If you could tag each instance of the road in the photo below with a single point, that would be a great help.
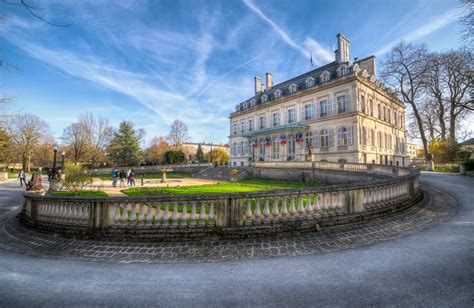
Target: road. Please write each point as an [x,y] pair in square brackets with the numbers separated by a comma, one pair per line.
[434,267]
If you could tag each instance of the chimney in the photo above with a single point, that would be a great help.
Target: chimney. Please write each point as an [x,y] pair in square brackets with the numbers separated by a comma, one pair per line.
[258,85]
[269,80]
[343,53]
[336,55]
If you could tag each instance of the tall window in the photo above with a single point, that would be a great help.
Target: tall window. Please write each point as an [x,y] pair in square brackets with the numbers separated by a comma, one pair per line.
[276,119]
[379,111]
[362,103]
[384,113]
[291,116]
[389,116]
[235,128]
[308,112]
[371,107]
[323,108]
[341,104]
[262,122]
[372,137]
[275,148]
[250,124]
[308,140]
[324,138]
[342,136]
[242,127]
[261,147]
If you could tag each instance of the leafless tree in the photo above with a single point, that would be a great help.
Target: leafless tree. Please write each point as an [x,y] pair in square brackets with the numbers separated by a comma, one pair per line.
[467,23]
[178,133]
[101,135]
[27,132]
[77,137]
[34,11]
[405,70]
[155,153]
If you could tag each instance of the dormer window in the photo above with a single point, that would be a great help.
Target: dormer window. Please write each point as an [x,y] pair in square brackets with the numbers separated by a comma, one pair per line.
[342,70]
[264,98]
[309,82]
[252,102]
[325,76]
[293,88]
[246,105]
[277,94]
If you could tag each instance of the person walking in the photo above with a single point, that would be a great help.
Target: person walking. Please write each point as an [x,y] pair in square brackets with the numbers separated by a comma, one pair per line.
[115,175]
[131,177]
[142,177]
[22,177]
[128,175]
[122,176]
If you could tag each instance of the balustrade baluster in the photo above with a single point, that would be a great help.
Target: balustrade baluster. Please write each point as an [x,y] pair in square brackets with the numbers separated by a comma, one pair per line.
[133,216]
[292,207]
[248,212]
[257,213]
[166,214]
[266,210]
[141,214]
[117,217]
[317,207]
[184,214]
[192,223]
[324,205]
[309,207]
[159,214]
[202,214]
[149,214]
[174,217]
[340,202]
[275,211]
[284,207]
[211,214]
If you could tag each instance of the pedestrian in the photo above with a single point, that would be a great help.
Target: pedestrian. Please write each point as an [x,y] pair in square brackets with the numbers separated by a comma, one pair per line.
[22,177]
[122,176]
[142,177]
[131,177]
[115,174]
[128,175]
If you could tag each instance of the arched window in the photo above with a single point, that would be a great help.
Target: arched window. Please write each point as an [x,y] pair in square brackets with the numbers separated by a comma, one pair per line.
[293,88]
[344,136]
[342,70]
[264,98]
[325,76]
[277,94]
[252,102]
[309,82]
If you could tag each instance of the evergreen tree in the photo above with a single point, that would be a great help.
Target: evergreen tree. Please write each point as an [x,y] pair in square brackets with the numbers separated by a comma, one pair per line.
[200,154]
[124,148]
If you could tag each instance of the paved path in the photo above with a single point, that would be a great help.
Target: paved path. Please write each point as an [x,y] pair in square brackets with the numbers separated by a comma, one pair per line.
[429,268]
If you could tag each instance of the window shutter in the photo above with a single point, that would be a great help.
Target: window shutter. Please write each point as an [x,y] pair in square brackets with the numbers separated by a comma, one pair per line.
[315,140]
[331,137]
[349,135]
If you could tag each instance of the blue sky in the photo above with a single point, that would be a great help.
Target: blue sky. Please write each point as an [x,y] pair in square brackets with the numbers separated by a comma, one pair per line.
[151,62]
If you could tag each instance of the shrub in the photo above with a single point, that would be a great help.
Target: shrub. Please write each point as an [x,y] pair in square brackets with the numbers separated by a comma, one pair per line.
[469,165]
[174,157]
[76,179]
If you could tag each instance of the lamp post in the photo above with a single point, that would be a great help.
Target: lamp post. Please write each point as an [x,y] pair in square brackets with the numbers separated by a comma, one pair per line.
[63,154]
[211,153]
[54,171]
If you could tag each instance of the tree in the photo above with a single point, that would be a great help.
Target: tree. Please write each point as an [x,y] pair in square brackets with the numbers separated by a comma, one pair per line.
[155,153]
[43,154]
[6,150]
[76,179]
[218,155]
[178,134]
[200,154]
[405,70]
[77,137]
[174,157]
[27,132]
[100,138]
[467,22]
[124,147]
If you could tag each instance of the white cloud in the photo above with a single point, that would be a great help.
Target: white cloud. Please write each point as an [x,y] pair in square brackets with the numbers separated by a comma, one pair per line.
[436,23]
[319,53]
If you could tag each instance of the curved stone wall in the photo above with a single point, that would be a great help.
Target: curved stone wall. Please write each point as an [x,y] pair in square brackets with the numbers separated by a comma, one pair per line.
[228,215]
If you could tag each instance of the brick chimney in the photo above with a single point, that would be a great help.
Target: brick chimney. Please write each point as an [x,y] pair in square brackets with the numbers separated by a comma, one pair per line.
[258,84]
[269,80]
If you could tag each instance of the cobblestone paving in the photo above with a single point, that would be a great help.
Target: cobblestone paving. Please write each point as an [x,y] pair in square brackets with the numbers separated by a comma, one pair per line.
[437,207]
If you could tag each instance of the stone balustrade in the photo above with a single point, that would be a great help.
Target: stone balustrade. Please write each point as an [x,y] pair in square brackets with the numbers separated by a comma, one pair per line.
[220,213]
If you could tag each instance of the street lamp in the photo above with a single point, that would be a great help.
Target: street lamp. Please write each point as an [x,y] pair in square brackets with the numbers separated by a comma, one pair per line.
[54,173]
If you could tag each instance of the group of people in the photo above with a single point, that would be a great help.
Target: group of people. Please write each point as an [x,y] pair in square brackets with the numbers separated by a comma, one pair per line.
[123,175]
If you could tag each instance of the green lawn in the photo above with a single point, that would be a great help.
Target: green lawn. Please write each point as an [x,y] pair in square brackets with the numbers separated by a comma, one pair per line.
[84,193]
[222,187]
[442,169]
[151,175]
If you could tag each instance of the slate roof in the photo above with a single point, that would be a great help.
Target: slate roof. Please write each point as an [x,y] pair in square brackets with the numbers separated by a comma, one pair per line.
[298,80]
[468,142]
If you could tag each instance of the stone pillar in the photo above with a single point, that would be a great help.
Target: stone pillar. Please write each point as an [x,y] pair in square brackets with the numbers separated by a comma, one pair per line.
[222,215]
[237,209]
[462,169]
[429,165]
[357,204]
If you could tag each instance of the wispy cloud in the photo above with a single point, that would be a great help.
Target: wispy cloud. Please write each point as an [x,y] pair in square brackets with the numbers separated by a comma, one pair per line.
[436,23]
[319,53]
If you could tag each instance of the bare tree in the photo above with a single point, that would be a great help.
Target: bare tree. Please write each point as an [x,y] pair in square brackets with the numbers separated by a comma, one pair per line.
[467,22]
[101,135]
[405,70]
[34,11]
[77,137]
[178,133]
[27,132]
[155,153]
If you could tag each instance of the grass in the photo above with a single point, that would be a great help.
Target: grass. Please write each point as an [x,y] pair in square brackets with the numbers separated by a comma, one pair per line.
[84,193]
[442,169]
[221,187]
[150,175]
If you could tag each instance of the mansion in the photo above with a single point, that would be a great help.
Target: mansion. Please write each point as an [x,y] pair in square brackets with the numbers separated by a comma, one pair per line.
[337,112]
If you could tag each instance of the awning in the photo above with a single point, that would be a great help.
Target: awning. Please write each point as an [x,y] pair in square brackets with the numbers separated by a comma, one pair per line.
[288,127]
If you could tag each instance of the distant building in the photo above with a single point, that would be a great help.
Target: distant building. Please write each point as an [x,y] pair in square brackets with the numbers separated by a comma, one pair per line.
[190,149]
[468,146]
[411,151]
[337,112]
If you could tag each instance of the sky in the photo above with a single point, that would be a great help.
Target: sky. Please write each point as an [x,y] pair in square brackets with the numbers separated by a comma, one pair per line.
[151,62]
